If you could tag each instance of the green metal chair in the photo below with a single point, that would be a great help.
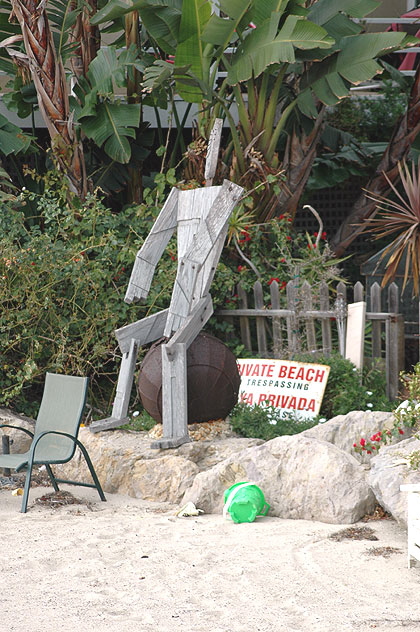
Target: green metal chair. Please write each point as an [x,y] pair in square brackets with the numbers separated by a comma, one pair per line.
[55,438]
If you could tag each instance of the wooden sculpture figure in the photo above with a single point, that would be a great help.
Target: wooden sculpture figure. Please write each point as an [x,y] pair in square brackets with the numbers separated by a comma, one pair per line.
[201,218]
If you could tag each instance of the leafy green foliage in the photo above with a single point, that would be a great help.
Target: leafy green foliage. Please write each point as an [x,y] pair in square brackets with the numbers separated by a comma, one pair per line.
[347,389]
[62,284]
[265,422]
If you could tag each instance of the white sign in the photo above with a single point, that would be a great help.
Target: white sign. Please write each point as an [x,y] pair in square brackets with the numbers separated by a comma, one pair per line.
[293,387]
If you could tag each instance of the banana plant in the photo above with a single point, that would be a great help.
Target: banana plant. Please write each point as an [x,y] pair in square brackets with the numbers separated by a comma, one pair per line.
[283,62]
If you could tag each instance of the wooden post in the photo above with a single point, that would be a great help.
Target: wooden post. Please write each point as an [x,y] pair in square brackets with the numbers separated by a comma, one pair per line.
[174,397]
[309,321]
[5,446]
[277,334]
[324,304]
[244,320]
[394,335]
[355,336]
[292,321]
[375,306]
[260,320]
[340,310]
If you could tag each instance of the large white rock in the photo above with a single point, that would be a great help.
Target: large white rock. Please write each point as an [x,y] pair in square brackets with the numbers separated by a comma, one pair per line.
[19,440]
[125,463]
[390,469]
[301,478]
[345,430]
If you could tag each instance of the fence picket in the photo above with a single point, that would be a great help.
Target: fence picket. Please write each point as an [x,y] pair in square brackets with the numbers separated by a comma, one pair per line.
[277,333]
[260,320]
[309,321]
[244,320]
[292,330]
[375,306]
[324,304]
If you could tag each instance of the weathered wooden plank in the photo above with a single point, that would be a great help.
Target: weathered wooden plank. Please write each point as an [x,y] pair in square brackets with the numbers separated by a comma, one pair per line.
[375,305]
[324,303]
[394,334]
[277,333]
[217,218]
[260,322]
[182,295]
[292,321]
[243,319]
[193,207]
[213,151]
[122,394]
[174,398]
[340,309]
[143,331]
[152,249]
[394,354]
[269,313]
[358,292]
[309,321]
[5,447]
[193,324]
[355,335]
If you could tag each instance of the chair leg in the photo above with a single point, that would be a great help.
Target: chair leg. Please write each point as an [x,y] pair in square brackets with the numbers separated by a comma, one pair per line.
[92,472]
[52,478]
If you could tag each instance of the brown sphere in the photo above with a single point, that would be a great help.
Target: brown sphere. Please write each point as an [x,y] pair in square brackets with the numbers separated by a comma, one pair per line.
[213,380]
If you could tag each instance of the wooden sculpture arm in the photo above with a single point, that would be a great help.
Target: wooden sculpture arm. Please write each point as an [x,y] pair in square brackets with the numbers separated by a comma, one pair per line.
[152,250]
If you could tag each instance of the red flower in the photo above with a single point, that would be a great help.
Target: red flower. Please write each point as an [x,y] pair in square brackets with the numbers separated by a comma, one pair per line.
[283,285]
[400,431]
[245,236]
[288,238]
[240,268]
[362,442]
[273,279]
[354,445]
[283,260]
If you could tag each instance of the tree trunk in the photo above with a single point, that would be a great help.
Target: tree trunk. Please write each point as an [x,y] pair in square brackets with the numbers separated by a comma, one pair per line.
[405,131]
[132,37]
[298,159]
[50,82]
[87,37]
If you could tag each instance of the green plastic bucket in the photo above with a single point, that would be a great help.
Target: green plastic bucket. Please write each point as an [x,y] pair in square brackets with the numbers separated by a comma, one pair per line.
[244,502]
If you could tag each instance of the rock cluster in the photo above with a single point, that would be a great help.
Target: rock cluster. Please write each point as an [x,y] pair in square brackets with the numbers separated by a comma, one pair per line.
[315,475]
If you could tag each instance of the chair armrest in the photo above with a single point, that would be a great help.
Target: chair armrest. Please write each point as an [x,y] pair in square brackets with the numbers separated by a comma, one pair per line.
[28,432]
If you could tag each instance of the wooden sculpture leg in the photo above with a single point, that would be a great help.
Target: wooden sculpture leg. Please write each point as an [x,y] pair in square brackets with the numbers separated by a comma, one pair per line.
[174,397]
[122,395]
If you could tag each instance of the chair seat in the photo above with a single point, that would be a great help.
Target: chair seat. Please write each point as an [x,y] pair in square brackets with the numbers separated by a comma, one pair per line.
[14,461]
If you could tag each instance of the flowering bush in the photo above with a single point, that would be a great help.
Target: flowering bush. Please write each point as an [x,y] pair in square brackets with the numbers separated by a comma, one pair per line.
[406,416]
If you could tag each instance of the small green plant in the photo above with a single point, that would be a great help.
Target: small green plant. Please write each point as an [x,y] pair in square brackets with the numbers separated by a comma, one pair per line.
[266,422]
[140,422]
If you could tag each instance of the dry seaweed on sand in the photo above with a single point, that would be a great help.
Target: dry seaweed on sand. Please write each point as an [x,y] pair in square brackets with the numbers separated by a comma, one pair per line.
[354,533]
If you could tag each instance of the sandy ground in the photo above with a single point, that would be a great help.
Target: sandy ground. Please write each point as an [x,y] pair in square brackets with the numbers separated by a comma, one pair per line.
[128,565]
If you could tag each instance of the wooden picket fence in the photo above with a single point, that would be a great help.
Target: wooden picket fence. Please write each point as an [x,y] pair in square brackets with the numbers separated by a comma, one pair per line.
[317,324]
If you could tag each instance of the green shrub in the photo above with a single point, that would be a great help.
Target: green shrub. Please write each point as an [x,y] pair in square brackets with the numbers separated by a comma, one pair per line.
[63,276]
[265,422]
[347,389]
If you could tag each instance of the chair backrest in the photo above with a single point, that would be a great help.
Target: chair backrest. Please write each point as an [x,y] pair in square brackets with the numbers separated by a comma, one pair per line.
[61,409]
